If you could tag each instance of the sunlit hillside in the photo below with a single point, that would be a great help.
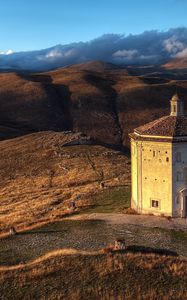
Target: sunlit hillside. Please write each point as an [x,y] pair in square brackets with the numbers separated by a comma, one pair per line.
[70,274]
[40,176]
[96,98]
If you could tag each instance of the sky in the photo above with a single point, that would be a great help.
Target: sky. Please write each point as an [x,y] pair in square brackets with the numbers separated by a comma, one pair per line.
[39,24]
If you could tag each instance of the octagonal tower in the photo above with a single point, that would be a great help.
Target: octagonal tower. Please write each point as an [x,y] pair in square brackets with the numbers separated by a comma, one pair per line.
[159,164]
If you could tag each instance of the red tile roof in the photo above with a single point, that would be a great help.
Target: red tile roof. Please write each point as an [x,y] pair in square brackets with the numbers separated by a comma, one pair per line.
[166,126]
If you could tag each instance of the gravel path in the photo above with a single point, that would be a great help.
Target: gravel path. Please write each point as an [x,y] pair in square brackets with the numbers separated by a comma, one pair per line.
[93,232]
[140,220]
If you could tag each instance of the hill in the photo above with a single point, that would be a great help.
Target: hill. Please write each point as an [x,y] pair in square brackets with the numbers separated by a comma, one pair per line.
[95,98]
[70,274]
[96,66]
[40,177]
[176,63]
[67,130]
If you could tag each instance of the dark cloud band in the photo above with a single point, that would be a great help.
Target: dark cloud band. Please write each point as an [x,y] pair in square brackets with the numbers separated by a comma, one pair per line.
[150,47]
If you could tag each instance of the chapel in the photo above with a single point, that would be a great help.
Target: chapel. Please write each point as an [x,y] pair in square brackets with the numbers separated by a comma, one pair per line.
[159,164]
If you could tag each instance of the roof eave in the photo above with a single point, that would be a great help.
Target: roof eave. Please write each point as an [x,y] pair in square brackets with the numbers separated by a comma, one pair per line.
[137,136]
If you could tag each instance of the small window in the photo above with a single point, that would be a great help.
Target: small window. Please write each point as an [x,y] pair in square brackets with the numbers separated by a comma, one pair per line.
[167,159]
[154,203]
[178,157]
[154,153]
[174,108]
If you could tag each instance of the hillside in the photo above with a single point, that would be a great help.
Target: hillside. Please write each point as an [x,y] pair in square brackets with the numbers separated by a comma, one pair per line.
[63,143]
[96,276]
[176,63]
[95,98]
[40,177]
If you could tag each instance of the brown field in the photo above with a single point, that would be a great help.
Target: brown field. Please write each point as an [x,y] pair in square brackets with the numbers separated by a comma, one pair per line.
[71,274]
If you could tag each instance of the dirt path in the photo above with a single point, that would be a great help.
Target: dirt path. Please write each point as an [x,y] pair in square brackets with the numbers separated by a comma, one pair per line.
[140,220]
[93,232]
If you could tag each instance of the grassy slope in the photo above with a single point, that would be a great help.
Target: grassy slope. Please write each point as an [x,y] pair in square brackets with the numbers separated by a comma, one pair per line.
[94,90]
[111,200]
[94,98]
[70,274]
[39,177]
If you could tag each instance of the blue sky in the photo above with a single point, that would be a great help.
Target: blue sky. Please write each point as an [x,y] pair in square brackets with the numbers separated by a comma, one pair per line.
[37,24]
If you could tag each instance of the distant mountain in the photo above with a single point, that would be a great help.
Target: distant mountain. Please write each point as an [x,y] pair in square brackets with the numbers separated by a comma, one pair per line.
[96,98]
[149,48]
[96,66]
[176,63]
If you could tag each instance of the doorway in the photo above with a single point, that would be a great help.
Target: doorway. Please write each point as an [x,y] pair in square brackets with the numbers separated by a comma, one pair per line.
[184,204]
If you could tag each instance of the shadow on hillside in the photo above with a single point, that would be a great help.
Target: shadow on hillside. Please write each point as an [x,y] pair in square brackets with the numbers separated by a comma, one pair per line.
[150,250]
[124,149]
[51,112]
[61,99]
[41,78]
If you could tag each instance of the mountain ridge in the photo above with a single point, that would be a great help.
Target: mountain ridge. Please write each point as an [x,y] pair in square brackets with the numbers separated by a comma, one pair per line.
[95,98]
[176,63]
[144,49]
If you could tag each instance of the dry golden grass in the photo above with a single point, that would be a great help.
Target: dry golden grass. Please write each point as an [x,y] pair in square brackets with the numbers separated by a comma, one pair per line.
[40,177]
[70,274]
[93,98]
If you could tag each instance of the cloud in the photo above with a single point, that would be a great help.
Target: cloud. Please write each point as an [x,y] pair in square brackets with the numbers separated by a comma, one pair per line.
[127,54]
[150,47]
[53,54]
[58,53]
[182,54]
[173,45]
[6,52]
